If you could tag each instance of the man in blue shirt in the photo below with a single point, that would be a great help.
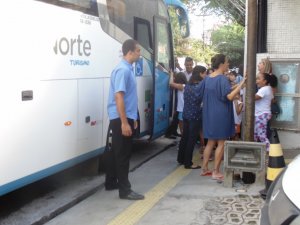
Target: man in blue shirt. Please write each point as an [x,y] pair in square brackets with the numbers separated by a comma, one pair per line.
[123,113]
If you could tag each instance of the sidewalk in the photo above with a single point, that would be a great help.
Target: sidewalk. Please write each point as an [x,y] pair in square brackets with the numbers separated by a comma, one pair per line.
[174,195]
[192,200]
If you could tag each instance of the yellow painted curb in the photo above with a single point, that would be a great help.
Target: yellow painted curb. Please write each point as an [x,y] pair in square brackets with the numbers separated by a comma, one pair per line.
[137,210]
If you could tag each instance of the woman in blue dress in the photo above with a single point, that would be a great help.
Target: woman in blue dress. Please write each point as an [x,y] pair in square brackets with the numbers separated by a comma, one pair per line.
[218,119]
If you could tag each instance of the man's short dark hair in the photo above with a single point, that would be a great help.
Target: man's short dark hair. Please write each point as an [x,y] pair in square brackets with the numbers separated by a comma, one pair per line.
[188,59]
[129,45]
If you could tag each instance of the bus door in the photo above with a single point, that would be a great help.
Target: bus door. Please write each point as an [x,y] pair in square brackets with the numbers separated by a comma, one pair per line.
[161,91]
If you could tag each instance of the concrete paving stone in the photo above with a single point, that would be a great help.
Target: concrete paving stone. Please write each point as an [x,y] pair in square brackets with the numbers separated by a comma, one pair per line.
[218,220]
[254,211]
[253,204]
[234,218]
[240,209]
[250,215]
[228,200]
[251,222]
[227,210]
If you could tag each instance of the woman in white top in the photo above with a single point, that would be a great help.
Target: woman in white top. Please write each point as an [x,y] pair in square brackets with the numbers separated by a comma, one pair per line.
[263,99]
[178,83]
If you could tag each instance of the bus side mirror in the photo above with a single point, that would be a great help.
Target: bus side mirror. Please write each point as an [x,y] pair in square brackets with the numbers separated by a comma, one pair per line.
[183,22]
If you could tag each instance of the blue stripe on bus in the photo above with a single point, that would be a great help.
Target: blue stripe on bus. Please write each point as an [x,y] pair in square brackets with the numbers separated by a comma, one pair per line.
[47,172]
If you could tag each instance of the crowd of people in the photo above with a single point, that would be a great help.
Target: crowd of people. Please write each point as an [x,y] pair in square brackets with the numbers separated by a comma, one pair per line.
[211,106]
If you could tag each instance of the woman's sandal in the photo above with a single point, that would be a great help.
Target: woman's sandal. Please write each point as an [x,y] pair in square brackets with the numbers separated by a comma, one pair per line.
[206,173]
[217,177]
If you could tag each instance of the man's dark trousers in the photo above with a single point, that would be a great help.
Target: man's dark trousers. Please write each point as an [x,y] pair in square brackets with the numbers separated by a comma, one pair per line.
[117,165]
[191,130]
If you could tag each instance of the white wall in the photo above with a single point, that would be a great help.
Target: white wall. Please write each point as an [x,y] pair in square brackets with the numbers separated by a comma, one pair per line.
[283,38]
[283,34]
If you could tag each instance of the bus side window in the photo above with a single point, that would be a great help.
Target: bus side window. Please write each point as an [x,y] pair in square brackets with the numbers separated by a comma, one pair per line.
[121,15]
[85,6]
[142,33]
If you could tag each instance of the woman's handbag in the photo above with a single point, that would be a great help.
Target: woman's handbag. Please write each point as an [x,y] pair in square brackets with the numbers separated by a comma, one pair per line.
[275,109]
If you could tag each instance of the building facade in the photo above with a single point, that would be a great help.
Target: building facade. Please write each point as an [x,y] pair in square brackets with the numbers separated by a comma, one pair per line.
[283,50]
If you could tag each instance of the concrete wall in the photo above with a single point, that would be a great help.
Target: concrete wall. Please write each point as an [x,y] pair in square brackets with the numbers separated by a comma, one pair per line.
[283,34]
[283,44]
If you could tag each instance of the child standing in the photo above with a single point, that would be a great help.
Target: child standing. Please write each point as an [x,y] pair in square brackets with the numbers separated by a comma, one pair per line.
[232,77]
[237,113]
[263,99]
[237,106]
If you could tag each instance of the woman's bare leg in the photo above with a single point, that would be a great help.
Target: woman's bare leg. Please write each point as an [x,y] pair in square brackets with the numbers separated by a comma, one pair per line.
[180,123]
[207,151]
[218,157]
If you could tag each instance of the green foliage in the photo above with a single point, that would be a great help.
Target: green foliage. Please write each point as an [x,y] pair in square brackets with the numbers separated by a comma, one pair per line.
[194,48]
[229,40]
[233,10]
[178,41]
[175,26]
[200,52]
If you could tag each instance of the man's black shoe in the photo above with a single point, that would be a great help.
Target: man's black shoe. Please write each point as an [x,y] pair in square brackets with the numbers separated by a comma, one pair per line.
[132,196]
[111,187]
[192,167]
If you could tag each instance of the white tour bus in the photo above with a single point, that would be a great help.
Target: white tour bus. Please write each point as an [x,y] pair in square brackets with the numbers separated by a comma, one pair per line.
[56,60]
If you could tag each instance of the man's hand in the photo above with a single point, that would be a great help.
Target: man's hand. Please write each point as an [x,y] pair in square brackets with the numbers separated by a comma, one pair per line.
[245,77]
[244,80]
[171,80]
[126,129]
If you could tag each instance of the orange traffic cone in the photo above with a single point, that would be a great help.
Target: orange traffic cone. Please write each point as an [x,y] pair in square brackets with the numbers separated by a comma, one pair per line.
[276,161]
